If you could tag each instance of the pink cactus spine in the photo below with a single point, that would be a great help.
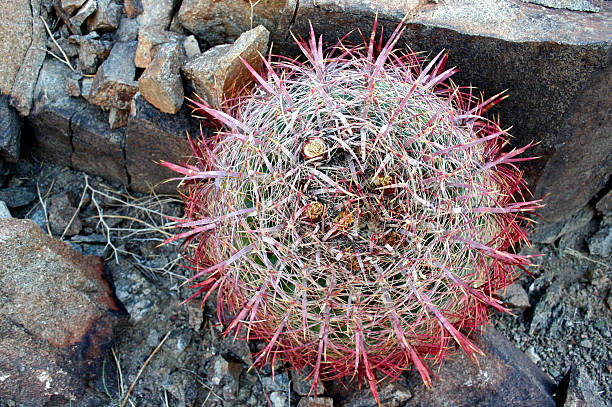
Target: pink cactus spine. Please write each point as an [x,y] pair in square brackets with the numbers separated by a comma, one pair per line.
[355,212]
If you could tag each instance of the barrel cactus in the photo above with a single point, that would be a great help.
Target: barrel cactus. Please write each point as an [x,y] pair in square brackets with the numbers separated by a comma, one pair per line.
[356,212]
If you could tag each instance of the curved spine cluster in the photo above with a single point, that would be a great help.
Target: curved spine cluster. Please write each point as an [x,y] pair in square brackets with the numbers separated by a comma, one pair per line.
[355,212]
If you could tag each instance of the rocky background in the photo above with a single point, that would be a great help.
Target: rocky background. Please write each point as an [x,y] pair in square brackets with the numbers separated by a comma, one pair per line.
[93,93]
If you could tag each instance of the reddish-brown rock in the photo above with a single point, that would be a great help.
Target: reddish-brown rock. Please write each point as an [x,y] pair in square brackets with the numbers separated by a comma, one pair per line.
[106,17]
[114,84]
[148,39]
[218,72]
[222,21]
[57,316]
[161,82]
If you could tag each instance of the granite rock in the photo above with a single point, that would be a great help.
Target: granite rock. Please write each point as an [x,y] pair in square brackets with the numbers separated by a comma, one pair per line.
[581,391]
[61,213]
[592,6]
[132,8]
[316,402]
[92,51]
[83,14]
[503,377]
[17,196]
[49,122]
[70,6]
[302,383]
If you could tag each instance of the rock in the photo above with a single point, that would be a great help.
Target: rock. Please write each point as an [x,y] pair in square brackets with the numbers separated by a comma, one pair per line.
[61,212]
[580,166]
[219,369]
[156,13]
[556,65]
[546,311]
[58,315]
[192,48]
[548,233]
[98,149]
[114,84]
[161,83]
[316,402]
[10,131]
[132,8]
[581,391]
[576,5]
[222,21]
[4,211]
[70,6]
[86,88]
[17,196]
[69,47]
[69,131]
[117,118]
[600,244]
[503,377]
[516,297]
[73,88]
[151,136]
[106,17]
[127,30]
[530,352]
[391,394]
[604,205]
[176,27]
[53,109]
[84,12]
[139,297]
[218,72]
[22,51]
[148,39]
[302,384]
[92,51]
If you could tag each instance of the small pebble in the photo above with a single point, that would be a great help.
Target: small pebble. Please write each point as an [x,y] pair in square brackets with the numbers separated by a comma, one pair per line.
[531,354]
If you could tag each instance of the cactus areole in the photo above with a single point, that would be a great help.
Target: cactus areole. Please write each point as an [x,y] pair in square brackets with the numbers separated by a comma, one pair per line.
[356,212]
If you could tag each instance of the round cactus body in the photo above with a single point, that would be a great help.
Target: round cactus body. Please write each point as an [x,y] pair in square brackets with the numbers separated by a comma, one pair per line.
[356,212]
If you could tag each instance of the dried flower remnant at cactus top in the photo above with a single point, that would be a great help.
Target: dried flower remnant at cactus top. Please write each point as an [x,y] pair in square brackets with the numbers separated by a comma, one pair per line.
[355,212]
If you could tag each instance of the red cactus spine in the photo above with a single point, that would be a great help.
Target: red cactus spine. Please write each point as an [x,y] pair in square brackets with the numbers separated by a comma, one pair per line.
[356,212]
